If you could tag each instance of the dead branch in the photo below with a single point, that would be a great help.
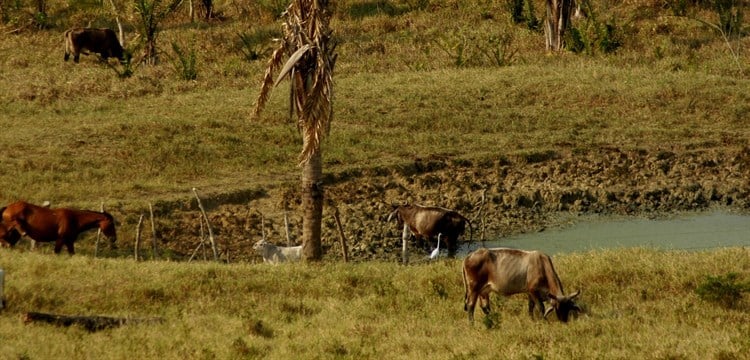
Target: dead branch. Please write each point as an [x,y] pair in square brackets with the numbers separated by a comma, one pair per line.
[342,237]
[208,226]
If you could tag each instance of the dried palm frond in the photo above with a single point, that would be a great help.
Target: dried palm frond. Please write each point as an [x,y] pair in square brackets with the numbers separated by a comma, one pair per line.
[309,45]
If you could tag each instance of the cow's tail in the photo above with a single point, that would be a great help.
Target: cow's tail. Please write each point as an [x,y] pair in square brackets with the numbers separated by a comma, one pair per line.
[67,44]
[471,228]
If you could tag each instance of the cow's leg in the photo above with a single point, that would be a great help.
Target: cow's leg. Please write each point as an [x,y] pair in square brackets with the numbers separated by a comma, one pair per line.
[535,299]
[67,56]
[71,250]
[484,303]
[76,56]
[58,245]
[452,245]
[471,302]
[69,245]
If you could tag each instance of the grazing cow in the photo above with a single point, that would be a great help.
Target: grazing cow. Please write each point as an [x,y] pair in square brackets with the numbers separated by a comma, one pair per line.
[277,254]
[101,41]
[61,225]
[510,271]
[427,222]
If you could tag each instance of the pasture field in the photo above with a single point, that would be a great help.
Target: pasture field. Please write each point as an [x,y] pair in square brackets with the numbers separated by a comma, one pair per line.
[640,304]
[417,83]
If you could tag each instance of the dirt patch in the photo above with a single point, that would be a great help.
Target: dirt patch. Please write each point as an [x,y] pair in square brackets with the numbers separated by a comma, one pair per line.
[521,194]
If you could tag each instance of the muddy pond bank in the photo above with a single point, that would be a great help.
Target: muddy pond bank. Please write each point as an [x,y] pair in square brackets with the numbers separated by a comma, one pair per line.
[504,196]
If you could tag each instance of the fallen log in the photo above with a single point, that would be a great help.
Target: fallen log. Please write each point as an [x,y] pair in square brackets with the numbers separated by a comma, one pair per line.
[90,323]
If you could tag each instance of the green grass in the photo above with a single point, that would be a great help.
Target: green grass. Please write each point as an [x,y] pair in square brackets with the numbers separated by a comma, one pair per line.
[640,304]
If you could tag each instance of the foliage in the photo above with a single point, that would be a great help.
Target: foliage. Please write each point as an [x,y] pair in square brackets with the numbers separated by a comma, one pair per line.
[730,16]
[724,290]
[468,49]
[185,62]
[274,7]
[254,44]
[520,13]
[593,36]
[150,15]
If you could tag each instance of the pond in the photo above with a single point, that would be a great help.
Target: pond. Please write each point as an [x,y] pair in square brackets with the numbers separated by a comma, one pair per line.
[693,231]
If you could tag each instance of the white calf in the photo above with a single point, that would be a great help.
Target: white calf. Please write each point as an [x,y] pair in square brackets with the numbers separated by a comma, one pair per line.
[277,254]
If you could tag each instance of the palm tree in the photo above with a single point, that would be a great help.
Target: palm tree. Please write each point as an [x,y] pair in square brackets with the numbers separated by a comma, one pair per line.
[307,41]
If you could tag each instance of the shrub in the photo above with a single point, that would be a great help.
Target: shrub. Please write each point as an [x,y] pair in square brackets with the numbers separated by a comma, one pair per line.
[724,290]
[185,63]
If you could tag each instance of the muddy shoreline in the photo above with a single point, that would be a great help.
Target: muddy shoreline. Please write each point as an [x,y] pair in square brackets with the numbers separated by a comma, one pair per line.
[503,196]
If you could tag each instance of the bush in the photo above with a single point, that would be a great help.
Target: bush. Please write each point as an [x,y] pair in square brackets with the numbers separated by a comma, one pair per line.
[185,63]
[724,290]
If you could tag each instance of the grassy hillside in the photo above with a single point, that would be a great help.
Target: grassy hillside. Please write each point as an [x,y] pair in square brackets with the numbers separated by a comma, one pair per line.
[641,304]
[414,79]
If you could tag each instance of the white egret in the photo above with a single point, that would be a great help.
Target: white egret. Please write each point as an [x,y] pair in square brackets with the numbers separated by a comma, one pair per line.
[435,252]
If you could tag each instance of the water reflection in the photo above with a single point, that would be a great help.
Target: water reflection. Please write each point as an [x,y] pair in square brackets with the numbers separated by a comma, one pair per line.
[693,232]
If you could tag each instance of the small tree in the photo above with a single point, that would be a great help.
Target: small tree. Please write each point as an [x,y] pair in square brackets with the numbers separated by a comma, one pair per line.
[150,15]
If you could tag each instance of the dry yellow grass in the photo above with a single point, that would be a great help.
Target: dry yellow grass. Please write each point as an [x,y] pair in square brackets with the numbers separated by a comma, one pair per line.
[641,304]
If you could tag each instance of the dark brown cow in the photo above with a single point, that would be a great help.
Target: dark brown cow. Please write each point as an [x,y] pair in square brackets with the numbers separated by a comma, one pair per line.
[427,222]
[101,41]
[511,271]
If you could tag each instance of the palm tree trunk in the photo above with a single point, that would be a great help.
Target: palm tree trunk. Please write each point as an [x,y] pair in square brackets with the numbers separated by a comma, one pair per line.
[312,202]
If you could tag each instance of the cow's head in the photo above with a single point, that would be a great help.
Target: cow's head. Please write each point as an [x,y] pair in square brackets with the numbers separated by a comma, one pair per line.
[395,213]
[260,244]
[562,305]
[8,237]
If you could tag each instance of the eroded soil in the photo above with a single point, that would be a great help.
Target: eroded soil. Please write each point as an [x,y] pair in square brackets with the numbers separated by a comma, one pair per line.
[502,196]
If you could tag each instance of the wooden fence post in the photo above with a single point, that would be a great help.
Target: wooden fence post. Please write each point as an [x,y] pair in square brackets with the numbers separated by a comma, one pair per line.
[138,237]
[342,238]
[208,226]
[154,248]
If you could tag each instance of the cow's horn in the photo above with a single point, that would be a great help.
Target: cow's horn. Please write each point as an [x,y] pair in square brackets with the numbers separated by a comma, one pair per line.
[390,216]
[573,295]
[549,310]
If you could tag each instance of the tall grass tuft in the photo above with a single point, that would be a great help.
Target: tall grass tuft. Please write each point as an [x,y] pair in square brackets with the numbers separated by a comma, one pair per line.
[184,62]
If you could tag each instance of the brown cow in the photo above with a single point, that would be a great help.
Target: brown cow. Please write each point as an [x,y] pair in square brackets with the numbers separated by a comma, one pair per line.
[101,41]
[510,271]
[427,222]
